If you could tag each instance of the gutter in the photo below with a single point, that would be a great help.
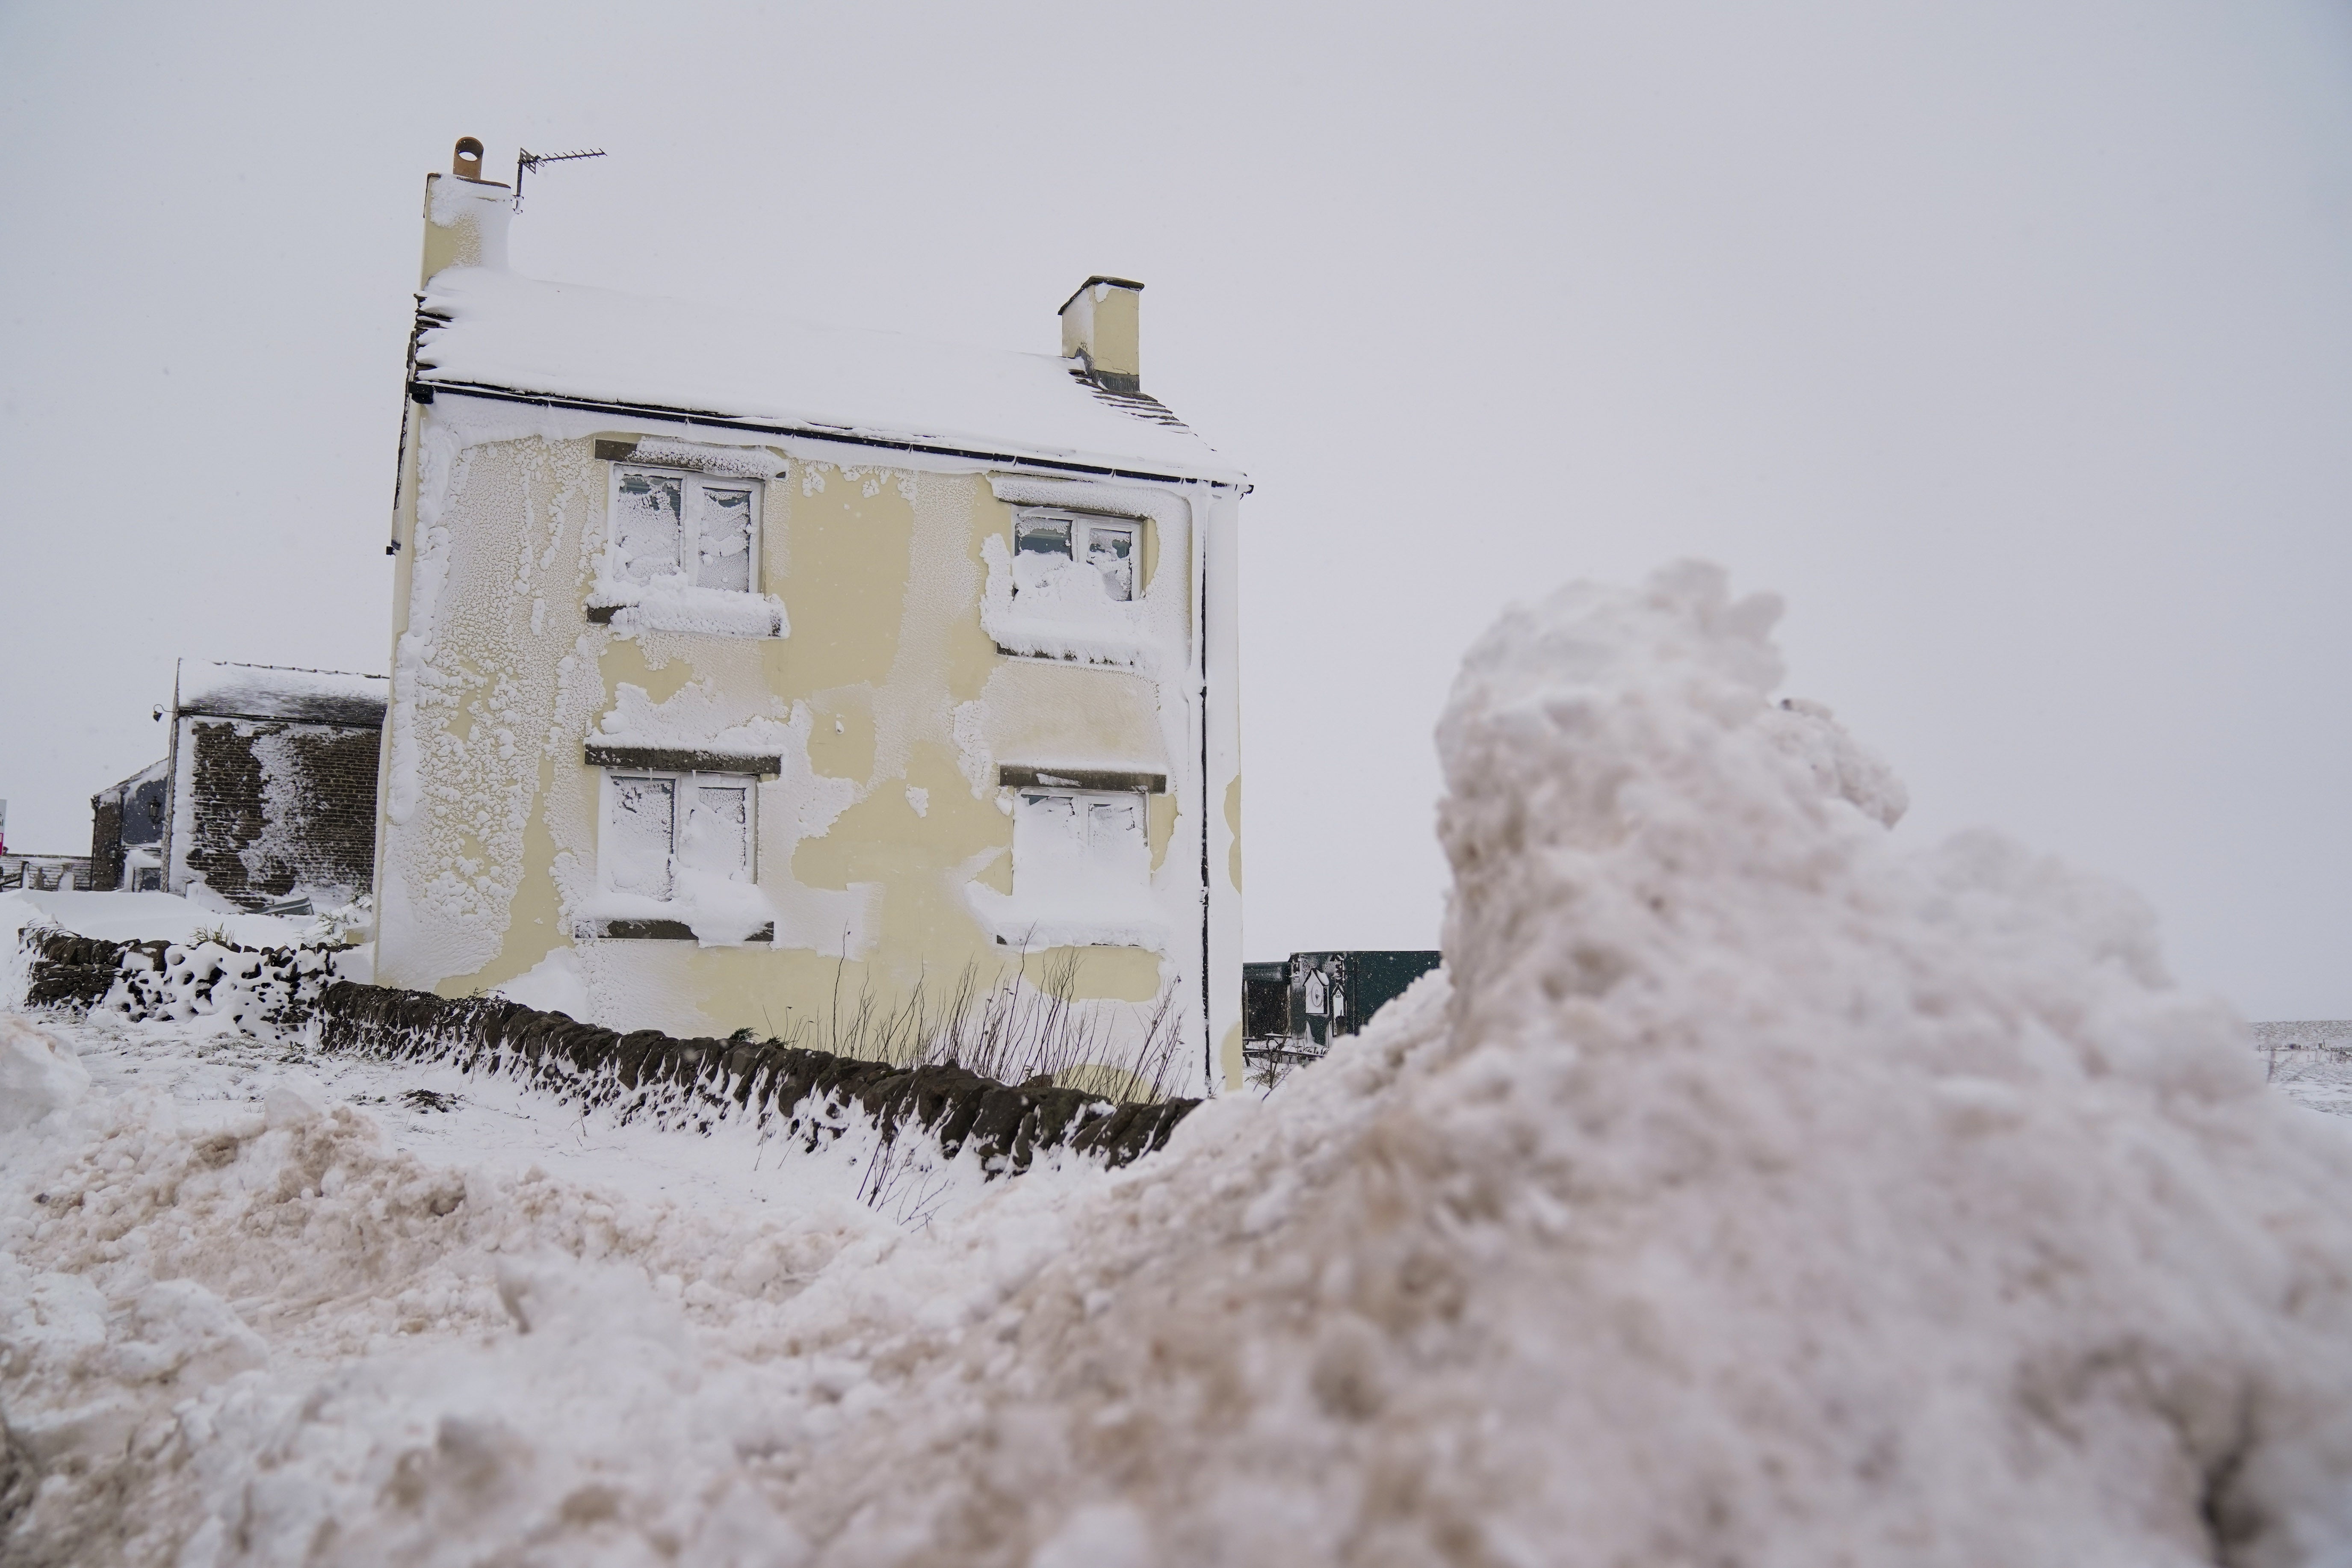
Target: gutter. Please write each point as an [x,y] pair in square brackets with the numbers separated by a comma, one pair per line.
[424,391]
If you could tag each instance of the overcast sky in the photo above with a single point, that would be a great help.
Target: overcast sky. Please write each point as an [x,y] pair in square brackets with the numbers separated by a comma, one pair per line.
[2011,342]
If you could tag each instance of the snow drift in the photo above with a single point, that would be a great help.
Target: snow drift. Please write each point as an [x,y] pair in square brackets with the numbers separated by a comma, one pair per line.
[1747,1190]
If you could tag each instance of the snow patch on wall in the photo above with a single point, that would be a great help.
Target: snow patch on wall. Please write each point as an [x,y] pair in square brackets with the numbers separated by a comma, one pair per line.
[473,708]
[741,462]
[1066,613]
[287,805]
[741,716]
[556,983]
[700,716]
[667,605]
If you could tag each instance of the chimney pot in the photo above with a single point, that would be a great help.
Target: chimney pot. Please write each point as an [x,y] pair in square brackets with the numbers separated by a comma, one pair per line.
[1100,330]
[466,162]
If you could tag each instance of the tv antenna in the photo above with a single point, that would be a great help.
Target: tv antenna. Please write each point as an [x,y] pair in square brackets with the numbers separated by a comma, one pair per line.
[529,160]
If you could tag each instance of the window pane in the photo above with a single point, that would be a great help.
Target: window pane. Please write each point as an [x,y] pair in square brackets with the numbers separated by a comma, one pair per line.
[1115,846]
[1110,549]
[726,541]
[718,831]
[1049,845]
[1041,546]
[637,836]
[646,531]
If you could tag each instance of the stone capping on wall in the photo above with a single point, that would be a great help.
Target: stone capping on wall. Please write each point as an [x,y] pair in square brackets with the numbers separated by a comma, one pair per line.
[690,1084]
[681,760]
[1015,777]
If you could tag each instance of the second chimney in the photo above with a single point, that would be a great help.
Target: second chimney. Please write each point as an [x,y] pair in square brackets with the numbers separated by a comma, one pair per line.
[1101,328]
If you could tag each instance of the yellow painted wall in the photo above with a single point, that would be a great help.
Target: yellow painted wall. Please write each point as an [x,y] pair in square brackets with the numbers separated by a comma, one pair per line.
[880,571]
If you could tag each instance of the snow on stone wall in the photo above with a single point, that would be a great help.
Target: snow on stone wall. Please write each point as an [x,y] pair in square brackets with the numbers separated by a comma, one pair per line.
[474,706]
[270,994]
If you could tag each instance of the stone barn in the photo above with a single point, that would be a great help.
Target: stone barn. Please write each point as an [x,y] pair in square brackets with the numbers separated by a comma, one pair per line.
[272,785]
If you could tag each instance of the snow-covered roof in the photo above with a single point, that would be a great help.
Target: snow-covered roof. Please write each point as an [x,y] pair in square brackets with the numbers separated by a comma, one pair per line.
[490,329]
[270,691]
[154,770]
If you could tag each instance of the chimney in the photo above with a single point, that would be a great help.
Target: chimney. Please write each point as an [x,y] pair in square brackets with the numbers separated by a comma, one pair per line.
[465,214]
[1100,330]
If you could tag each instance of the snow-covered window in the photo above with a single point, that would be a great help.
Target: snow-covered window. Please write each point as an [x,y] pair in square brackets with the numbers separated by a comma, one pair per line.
[661,827]
[1052,549]
[684,529]
[1078,845]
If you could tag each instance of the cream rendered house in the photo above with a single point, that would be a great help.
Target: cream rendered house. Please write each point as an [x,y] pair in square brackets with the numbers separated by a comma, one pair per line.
[742,667]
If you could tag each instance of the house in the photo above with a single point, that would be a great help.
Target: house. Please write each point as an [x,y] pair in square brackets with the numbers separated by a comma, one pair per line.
[126,830]
[42,873]
[749,674]
[268,792]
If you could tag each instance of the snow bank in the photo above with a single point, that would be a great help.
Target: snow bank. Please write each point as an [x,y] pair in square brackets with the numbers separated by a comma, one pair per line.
[36,1077]
[1755,1192]
[142,917]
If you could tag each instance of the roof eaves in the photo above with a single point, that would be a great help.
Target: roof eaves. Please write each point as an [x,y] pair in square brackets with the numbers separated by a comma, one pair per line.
[1098,277]
[423,389]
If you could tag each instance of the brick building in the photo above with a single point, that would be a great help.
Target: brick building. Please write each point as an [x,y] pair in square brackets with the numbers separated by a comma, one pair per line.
[270,783]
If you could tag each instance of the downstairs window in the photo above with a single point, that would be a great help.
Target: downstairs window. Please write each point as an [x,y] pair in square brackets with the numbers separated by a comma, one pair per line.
[1078,847]
[660,827]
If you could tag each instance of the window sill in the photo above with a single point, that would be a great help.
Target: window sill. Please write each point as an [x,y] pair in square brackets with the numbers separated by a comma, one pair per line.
[1017,777]
[658,931]
[602,753]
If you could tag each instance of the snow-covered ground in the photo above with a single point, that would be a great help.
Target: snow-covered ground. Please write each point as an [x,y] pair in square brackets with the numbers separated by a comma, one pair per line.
[142,917]
[2320,1078]
[1747,1190]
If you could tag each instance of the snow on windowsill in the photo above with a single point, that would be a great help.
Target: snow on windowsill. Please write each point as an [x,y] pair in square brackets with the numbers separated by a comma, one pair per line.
[668,605]
[1068,615]
[719,911]
[1134,920]
[694,719]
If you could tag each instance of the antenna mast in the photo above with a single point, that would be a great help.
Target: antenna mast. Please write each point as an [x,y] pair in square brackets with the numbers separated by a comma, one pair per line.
[529,160]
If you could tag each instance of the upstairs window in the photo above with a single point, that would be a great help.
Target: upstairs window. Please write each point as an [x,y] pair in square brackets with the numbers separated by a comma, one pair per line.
[678,527]
[1050,549]
[660,826]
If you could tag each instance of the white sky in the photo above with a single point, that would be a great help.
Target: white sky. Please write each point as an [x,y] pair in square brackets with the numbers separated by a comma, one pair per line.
[2010,342]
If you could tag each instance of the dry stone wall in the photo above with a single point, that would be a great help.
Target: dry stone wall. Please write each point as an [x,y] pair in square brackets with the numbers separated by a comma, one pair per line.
[294,994]
[695,1082]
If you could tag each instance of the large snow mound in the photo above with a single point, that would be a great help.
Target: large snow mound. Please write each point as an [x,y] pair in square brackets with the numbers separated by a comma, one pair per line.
[1748,1190]
[37,1078]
